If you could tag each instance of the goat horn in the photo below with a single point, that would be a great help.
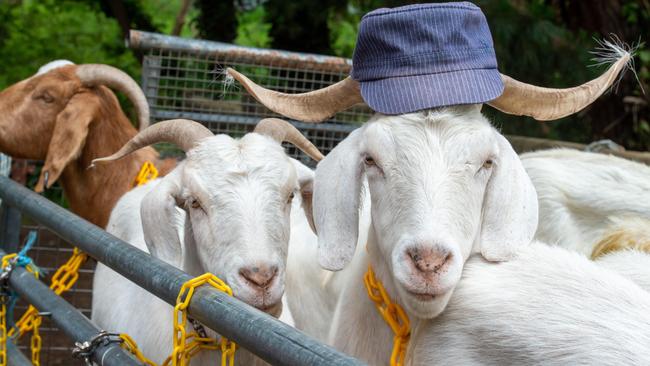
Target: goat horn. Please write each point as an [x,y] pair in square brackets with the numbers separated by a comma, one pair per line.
[182,132]
[281,130]
[546,104]
[96,74]
[314,106]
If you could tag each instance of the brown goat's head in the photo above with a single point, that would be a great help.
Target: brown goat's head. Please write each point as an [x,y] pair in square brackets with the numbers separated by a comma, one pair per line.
[47,116]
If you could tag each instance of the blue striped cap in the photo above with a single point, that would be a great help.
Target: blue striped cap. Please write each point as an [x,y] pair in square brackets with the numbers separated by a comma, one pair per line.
[425,56]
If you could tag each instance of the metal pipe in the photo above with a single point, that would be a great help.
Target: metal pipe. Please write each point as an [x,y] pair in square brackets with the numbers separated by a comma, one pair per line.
[270,339]
[9,228]
[15,357]
[259,56]
[70,320]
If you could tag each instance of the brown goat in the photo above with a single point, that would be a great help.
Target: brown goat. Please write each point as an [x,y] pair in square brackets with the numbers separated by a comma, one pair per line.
[67,117]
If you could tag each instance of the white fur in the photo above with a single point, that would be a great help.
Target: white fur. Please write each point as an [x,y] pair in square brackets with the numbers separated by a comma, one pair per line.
[243,188]
[548,306]
[428,189]
[581,194]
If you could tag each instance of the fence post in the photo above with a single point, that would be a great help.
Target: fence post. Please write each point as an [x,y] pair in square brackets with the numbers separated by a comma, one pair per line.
[9,228]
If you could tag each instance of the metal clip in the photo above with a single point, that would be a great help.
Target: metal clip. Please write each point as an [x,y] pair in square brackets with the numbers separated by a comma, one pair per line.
[86,349]
[198,327]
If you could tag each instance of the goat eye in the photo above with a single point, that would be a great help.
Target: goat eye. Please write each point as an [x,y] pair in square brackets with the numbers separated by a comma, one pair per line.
[488,164]
[368,160]
[195,203]
[291,196]
[46,97]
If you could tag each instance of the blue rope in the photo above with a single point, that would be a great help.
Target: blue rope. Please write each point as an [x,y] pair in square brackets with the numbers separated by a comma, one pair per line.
[24,261]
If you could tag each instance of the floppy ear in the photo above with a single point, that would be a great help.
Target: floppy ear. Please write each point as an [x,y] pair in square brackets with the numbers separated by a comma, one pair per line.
[161,219]
[306,183]
[68,137]
[509,207]
[337,191]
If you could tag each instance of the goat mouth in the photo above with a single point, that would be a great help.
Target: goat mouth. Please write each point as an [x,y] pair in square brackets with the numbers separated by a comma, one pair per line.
[422,296]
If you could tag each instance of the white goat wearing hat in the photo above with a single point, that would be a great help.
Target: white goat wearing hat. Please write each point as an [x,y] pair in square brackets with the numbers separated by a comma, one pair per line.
[443,184]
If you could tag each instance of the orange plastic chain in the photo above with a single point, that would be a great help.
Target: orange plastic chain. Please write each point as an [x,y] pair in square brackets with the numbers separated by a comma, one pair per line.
[147,173]
[393,314]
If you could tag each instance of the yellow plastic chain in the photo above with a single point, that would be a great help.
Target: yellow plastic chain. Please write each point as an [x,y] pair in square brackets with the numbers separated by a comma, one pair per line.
[393,314]
[63,279]
[129,344]
[187,345]
[35,342]
[147,172]
[36,339]
[181,352]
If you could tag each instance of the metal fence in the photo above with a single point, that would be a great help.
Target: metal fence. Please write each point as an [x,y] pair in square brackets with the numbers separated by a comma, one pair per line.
[184,78]
[267,337]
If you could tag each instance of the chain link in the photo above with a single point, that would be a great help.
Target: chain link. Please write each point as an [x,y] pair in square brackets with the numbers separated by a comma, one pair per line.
[182,351]
[147,173]
[187,345]
[63,279]
[8,264]
[393,314]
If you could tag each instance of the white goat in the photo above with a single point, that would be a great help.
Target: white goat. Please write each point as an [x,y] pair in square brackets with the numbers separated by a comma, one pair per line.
[225,209]
[548,306]
[443,184]
[582,194]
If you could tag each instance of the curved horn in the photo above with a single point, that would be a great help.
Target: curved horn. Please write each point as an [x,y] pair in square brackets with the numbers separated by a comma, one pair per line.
[546,104]
[281,130]
[314,106]
[182,132]
[96,74]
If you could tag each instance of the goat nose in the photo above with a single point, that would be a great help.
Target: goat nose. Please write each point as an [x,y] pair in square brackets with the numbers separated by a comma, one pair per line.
[429,260]
[260,275]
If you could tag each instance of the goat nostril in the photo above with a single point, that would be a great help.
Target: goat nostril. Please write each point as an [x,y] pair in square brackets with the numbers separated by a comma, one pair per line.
[259,276]
[429,260]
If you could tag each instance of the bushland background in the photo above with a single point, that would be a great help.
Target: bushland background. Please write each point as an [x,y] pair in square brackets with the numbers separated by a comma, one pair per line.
[546,42]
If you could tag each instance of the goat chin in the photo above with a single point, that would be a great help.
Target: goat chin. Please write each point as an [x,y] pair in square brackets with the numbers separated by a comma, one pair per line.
[548,306]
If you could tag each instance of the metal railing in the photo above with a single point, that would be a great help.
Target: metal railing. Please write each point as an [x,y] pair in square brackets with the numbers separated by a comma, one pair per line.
[183,78]
[265,336]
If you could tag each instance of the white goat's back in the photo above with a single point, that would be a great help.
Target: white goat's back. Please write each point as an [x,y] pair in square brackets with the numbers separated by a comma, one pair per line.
[547,307]
[580,193]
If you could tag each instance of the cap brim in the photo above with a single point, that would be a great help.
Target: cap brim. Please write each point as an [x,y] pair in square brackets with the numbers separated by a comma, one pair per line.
[406,94]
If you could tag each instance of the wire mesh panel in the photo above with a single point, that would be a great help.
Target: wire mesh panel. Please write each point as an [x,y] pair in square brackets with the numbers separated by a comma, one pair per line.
[185,78]
[49,253]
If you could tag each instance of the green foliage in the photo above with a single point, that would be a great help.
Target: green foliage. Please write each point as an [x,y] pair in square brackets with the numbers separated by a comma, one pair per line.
[33,33]
[163,14]
[343,30]
[252,30]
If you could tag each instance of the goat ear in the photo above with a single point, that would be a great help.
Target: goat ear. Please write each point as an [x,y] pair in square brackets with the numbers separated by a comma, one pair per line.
[509,207]
[306,183]
[68,137]
[337,192]
[161,219]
